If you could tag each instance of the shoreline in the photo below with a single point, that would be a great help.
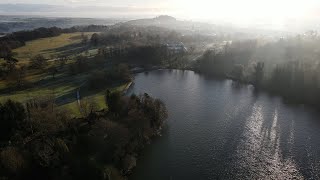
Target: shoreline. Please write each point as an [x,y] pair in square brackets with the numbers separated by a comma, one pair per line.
[257,89]
[125,90]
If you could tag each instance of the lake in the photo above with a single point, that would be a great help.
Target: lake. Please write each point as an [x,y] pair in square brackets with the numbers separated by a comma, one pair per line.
[218,129]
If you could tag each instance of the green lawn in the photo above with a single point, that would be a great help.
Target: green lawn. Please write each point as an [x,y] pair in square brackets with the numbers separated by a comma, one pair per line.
[96,97]
[49,47]
[65,91]
[63,87]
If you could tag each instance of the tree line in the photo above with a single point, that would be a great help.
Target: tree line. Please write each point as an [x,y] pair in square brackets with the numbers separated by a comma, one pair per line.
[40,141]
[287,67]
[132,48]
[19,38]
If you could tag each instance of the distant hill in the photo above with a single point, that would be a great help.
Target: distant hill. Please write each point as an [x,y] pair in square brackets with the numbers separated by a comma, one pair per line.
[169,22]
[10,24]
[165,18]
[158,21]
[188,26]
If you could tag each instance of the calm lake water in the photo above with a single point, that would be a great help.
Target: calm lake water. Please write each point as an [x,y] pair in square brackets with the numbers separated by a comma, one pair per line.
[220,130]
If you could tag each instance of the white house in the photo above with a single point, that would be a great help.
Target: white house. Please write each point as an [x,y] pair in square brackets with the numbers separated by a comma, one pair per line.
[176,48]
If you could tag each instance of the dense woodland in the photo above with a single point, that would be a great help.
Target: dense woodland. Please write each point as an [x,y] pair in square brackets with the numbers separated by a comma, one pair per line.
[146,46]
[39,141]
[288,67]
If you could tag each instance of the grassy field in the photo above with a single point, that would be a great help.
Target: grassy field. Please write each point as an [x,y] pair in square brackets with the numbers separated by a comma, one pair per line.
[63,87]
[89,96]
[50,47]
[99,96]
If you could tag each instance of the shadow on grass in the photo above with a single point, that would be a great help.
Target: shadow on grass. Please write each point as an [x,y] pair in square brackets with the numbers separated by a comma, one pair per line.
[65,86]
[70,49]
[85,92]
[70,97]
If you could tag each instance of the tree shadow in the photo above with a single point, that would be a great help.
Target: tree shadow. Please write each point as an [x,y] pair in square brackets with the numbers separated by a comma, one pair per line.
[70,49]
[84,92]
[70,97]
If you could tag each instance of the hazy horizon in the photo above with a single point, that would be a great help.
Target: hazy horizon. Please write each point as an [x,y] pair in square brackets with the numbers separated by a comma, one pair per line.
[296,15]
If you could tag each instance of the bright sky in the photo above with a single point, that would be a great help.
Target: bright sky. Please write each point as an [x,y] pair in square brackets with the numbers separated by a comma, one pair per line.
[235,10]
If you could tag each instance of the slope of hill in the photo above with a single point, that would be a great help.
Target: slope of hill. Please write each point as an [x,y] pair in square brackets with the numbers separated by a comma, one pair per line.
[172,23]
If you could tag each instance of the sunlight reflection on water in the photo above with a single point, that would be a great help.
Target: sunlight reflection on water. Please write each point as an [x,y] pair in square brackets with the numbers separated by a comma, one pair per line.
[260,149]
[221,130]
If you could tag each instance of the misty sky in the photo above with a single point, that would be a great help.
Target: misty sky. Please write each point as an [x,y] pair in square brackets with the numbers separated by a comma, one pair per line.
[205,8]
[89,2]
[238,11]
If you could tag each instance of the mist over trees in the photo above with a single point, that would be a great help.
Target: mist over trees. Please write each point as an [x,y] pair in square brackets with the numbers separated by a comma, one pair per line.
[287,67]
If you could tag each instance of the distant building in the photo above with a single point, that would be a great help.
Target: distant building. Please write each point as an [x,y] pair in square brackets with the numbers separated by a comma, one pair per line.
[176,48]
